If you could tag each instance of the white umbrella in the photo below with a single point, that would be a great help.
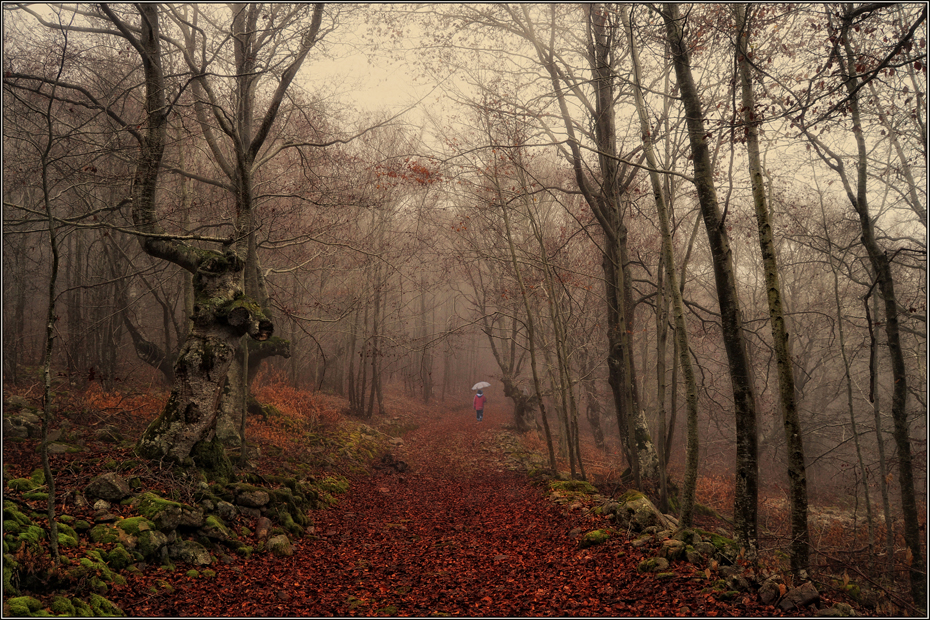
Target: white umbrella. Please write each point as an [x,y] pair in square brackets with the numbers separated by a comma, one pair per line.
[480,385]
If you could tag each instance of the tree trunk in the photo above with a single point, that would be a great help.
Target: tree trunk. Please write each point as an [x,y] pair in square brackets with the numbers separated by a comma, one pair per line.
[668,261]
[881,266]
[747,474]
[222,313]
[797,472]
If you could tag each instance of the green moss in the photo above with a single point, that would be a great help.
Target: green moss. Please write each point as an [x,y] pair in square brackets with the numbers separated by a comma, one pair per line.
[573,486]
[630,496]
[135,525]
[23,606]
[23,484]
[11,527]
[66,519]
[596,537]
[665,575]
[36,496]
[210,457]
[118,558]
[38,476]
[63,606]
[209,574]
[104,533]
[10,511]
[245,551]
[193,573]
[103,607]
[82,609]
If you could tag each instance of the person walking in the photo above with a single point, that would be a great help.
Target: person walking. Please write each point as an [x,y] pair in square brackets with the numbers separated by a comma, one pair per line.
[480,401]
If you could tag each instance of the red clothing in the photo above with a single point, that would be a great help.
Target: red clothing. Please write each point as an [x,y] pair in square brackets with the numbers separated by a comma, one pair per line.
[479,401]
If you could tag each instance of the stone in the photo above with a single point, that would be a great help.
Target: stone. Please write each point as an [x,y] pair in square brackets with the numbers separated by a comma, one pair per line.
[672,549]
[280,545]
[151,543]
[168,515]
[839,610]
[802,596]
[109,486]
[191,552]
[101,505]
[262,527]
[253,498]
[653,565]
[226,511]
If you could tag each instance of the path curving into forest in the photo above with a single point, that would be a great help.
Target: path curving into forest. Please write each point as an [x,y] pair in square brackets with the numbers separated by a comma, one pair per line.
[457,534]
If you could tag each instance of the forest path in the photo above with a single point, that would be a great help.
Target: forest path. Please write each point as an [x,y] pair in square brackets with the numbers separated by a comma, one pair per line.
[457,534]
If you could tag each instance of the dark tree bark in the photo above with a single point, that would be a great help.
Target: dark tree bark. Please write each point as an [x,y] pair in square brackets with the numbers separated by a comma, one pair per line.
[747,466]
[797,471]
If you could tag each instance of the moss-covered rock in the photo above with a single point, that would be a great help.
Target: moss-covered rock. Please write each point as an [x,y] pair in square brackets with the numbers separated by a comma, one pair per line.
[151,543]
[593,538]
[23,606]
[168,515]
[653,565]
[135,525]
[103,533]
[118,558]
[103,607]
[67,537]
[62,606]
[23,485]
[573,486]
[280,546]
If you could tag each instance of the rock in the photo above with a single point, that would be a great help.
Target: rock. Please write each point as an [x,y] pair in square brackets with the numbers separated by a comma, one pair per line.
[151,543]
[280,546]
[672,549]
[191,552]
[168,515]
[108,434]
[101,505]
[253,498]
[596,537]
[109,486]
[799,597]
[769,591]
[637,512]
[226,511]
[653,565]
[262,527]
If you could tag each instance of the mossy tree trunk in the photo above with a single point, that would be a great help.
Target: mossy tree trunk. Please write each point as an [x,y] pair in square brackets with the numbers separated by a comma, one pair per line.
[222,313]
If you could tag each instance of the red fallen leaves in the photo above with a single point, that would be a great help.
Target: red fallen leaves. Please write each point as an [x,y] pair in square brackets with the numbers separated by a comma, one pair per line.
[457,535]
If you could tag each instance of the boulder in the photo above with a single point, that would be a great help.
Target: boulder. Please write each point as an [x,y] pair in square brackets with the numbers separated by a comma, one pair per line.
[262,527]
[109,487]
[152,543]
[191,552]
[226,511]
[168,515]
[635,511]
[802,596]
[280,546]
[769,591]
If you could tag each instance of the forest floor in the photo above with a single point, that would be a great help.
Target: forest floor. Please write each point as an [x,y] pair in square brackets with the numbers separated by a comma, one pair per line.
[461,532]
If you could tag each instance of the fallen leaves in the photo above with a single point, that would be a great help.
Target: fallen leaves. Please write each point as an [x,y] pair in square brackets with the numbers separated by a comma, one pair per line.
[459,538]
